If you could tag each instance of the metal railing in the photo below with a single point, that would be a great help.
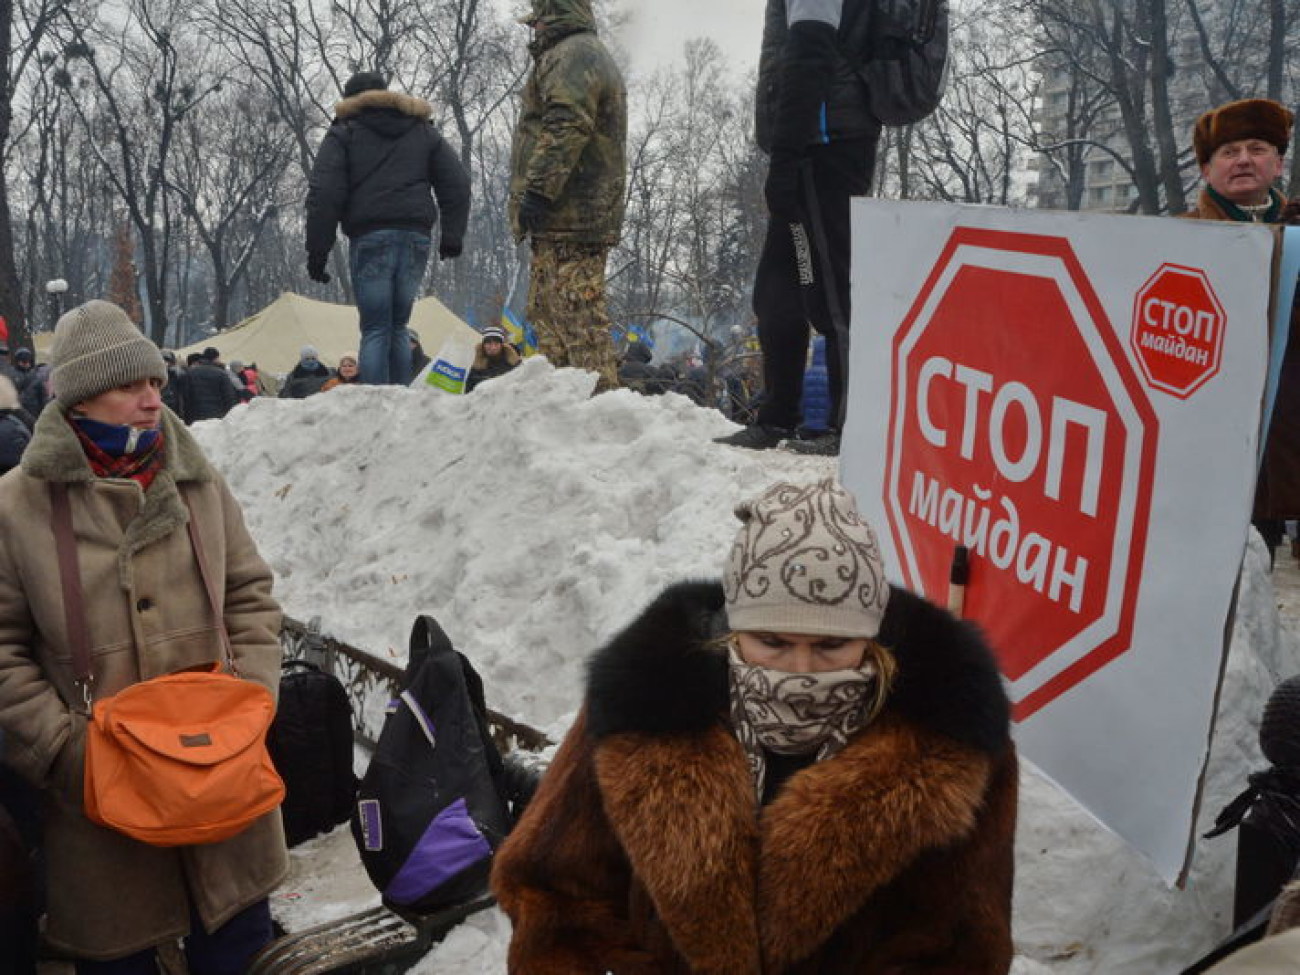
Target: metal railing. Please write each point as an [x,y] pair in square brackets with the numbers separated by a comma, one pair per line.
[371,682]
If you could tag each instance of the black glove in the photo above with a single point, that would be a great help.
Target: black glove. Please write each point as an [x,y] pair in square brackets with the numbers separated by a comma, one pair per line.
[316,268]
[532,212]
[782,188]
[448,249]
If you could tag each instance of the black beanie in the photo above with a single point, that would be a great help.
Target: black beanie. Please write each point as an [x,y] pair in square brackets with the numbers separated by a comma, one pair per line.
[364,81]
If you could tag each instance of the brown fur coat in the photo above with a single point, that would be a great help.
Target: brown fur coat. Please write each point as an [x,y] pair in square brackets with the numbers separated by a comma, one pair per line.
[643,850]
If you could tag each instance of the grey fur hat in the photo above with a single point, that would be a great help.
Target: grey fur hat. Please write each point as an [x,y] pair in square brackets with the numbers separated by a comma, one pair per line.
[97,347]
[804,561]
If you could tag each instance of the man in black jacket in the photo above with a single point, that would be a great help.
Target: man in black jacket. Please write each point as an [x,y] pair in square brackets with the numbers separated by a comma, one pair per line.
[208,394]
[814,121]
[374,175]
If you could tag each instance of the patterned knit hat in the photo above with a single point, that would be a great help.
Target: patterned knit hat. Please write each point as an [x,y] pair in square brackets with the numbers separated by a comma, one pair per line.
[805,562]
[493,332]
[96,347]
[1250,118]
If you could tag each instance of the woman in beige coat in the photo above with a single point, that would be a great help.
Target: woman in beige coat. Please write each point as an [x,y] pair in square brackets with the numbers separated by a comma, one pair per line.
[130,468]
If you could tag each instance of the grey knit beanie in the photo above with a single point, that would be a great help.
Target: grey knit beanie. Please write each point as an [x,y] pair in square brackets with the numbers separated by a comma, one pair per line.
[804,561]
[97,347]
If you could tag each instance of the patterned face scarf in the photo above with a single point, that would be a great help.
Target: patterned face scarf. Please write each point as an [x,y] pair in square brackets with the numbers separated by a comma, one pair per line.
[796,714]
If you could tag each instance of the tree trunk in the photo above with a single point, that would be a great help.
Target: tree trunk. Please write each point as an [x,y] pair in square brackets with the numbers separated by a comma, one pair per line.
[11,304]
[1166,143]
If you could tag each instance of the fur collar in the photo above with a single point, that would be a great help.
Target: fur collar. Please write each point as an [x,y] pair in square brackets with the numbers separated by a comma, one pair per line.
[395,100]
[55,454]
[742,889]
[658,675]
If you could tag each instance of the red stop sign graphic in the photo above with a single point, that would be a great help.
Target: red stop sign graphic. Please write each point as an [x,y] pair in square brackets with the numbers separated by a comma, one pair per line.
[1019,428]
[1177,333]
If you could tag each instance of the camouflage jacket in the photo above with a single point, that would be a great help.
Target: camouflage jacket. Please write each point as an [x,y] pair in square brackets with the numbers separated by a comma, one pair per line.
[570,143]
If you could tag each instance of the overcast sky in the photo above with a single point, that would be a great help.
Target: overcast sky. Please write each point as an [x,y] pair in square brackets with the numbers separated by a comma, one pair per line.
[658,29]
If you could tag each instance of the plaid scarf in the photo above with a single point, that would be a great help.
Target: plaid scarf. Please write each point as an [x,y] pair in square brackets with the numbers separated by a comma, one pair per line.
[140,464]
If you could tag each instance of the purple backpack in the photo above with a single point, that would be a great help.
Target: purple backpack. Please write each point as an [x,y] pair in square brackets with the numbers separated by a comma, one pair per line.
[429,813]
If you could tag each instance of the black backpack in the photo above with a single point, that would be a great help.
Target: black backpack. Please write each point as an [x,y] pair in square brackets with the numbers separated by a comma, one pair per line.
[429,813]
[310,742]
[902,52]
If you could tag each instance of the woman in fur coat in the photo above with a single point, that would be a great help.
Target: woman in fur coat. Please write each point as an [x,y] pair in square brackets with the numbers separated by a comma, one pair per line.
[797,770]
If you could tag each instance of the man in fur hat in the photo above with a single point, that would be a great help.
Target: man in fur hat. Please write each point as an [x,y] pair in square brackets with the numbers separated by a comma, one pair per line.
[378,173]
[1241,148]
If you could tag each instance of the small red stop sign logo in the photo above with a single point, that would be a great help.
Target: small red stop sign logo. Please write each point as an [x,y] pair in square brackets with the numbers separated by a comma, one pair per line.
[1177,333]
[1019,429]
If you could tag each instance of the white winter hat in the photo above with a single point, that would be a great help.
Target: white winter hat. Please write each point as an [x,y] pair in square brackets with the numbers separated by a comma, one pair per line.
[804,561]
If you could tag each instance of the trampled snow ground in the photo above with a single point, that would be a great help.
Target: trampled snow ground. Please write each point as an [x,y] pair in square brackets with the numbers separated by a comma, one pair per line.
[534,521]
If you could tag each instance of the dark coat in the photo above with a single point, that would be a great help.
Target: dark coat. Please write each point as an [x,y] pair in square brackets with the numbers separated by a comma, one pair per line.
[485,368]
[14,437]
[375,169]
[304,382]
[1277,491]
[643,852]
[814,71]
[207,392]
[33,388]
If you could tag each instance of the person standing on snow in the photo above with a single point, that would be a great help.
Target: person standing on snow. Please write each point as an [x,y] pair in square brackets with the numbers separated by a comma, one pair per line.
[378,172]
[1240,148]
[568,174]
[135,479]
[797,769]
[813,118]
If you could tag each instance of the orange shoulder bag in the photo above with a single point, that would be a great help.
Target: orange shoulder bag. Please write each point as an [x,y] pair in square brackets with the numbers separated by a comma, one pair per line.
[177,760]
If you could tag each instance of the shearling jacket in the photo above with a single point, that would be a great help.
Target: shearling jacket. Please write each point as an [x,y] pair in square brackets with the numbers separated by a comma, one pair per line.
[148,615]
[644,850]
[1277,489]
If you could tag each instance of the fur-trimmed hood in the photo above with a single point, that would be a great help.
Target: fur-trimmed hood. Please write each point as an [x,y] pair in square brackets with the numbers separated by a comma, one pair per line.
[393,101]
[658,677]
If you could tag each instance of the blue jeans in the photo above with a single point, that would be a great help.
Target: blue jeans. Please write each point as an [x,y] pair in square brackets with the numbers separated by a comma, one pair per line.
[226,951]
[387,267]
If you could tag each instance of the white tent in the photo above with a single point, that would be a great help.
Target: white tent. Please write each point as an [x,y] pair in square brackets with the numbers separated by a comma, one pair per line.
[273,336]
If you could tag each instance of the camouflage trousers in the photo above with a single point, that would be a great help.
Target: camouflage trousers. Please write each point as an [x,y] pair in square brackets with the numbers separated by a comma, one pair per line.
[566,307]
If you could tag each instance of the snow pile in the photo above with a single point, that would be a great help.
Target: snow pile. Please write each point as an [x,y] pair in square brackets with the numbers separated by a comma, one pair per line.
[534,521]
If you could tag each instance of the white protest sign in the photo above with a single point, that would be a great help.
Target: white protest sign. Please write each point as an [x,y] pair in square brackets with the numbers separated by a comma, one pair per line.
[1074,398]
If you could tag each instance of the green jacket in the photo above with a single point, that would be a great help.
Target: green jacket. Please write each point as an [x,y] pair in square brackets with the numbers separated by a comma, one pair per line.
[570,142]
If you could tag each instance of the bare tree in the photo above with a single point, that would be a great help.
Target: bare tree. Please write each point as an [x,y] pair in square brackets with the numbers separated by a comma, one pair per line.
[227,173]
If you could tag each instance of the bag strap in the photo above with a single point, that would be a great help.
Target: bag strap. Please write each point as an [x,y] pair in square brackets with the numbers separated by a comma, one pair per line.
[74,605]
[220,617]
